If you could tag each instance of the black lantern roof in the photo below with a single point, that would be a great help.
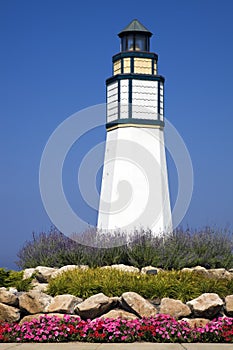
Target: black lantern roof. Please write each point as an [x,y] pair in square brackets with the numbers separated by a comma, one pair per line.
[133,27]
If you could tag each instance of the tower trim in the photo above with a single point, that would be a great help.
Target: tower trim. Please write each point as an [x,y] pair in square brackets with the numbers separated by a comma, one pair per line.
[134,125]
[135,122]
[139,54]
[135,76]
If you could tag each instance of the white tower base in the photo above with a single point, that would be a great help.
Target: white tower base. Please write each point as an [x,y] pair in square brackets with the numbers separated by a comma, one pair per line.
[134,192]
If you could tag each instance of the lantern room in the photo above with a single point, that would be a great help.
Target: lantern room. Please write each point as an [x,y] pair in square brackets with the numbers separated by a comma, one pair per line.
[135,37]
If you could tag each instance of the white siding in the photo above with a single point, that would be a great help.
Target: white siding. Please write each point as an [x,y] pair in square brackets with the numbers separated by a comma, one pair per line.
[135,156]
[161,101]
[144,99]
[124,98]
[112,102]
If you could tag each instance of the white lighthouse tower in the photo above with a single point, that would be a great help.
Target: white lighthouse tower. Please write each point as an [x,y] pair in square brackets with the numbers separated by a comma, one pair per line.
[134,191]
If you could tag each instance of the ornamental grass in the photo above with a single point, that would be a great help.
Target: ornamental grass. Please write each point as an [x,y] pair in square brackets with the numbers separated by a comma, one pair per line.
[171,284]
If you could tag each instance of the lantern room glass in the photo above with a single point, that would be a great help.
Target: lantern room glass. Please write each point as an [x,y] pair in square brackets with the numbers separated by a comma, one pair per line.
[135,42]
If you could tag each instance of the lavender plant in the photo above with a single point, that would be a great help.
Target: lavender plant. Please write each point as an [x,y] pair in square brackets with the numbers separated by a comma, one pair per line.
[211,248]
[50,249]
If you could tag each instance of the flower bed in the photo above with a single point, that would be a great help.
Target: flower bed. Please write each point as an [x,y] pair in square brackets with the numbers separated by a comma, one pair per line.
[160,329]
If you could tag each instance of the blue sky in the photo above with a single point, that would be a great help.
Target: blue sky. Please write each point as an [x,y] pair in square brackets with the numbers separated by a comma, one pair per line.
[55,57]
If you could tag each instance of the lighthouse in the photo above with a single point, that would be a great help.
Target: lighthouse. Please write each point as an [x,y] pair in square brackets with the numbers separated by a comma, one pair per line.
[134,190]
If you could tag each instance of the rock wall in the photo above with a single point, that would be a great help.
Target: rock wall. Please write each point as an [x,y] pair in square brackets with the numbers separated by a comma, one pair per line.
[23,306]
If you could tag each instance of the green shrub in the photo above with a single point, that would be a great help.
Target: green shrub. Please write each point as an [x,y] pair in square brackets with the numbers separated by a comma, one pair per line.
[10,278]
[4,274]
[174,284]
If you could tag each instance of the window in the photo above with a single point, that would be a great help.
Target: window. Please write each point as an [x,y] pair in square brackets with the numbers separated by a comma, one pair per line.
[135,42]
[141,43]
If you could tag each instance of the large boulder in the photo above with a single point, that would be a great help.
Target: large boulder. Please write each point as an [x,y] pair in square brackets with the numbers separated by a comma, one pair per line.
[9,313]
[34,302]
[174,308]
[207,305]
[64,304]
[229,305]
[94,306]
[44,273]
[135,303]
[8,297]
[29,318]
[118,313]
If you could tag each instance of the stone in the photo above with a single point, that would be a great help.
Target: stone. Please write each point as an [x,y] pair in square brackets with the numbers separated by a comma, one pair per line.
[9,297]
[9,313]
[118,313]
[187,269]
[64,269]
[196,322]
[116,301]
[27,273]
[83,267]
[122,267]
[155,301]
[150,270]
[125,268]
[220,273]
[29,318]
[34,302]
[44,273]
[94,306]
[13,290]
[135,303]
[229,305]
[200,270]
[174,308]
[64,304]
[69,268]
[207,305]
[40,287]
[105,267]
